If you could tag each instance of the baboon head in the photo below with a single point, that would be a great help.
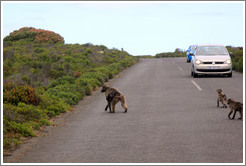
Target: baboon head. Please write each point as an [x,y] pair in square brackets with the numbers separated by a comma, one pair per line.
[104,88]
[219,90]
[229,101]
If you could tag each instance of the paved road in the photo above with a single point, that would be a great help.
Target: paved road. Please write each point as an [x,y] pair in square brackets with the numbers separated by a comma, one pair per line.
[172,118]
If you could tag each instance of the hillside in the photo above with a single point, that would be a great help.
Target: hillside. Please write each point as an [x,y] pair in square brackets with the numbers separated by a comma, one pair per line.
[44,77]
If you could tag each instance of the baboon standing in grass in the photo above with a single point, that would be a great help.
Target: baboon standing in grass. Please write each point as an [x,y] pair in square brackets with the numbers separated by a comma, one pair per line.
[221,98]
[113,96]
[236,107]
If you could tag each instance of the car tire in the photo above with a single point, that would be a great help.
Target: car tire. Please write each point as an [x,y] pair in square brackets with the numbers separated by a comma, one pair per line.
[229,75]
[195,75]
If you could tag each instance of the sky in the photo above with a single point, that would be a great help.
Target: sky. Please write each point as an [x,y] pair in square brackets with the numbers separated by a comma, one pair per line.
[140,28]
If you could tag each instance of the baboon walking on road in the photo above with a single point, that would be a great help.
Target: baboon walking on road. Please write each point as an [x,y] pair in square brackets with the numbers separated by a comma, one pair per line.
[236,107]
[221,98]
[113,96]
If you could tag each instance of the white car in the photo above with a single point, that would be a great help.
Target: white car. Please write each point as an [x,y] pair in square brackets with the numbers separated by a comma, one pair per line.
[211,60]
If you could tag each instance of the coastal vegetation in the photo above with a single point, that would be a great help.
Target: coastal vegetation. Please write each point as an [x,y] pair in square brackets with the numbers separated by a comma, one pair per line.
[44,77]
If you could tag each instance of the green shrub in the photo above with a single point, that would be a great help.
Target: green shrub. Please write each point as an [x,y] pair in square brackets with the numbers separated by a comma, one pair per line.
[87,81]
[61,81]
[56,74]
[93,74]
[10,113]
[23,119]
[52,105]
[88,90]
[105,73]
[29,112]
[22,128]
[237,57]
[70,93]
[26,79]
[115,68]
[68,97]
[23,113]
[237,65]
[39,50]
[44,57]
[10,142]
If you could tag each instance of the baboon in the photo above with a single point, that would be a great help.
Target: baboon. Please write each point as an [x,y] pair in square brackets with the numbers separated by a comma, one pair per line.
[236,107]
[221,98]
[113,96]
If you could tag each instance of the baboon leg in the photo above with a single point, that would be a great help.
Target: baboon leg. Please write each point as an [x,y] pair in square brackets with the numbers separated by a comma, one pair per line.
[224,106]
[125,110]
[240,117]
[235,111]
[230,114]
[114,102]
[106,107]
[241,113]
[109,105]
[224,103]
[218,103]
[113,106]
[123,103]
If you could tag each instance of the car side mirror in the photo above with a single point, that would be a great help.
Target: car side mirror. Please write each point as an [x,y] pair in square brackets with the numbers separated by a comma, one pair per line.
[231,53]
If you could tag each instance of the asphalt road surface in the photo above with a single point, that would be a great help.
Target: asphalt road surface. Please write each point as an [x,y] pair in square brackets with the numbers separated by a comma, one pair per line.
[172,118]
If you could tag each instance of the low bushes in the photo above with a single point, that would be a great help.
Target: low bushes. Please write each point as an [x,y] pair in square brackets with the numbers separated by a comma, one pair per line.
[61,81]
[49,78]
[22,93]
[71,89]
[21,120]
[53,105]
[177,53]
[27,109]
[237,57]
[70,93]
[237,65]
